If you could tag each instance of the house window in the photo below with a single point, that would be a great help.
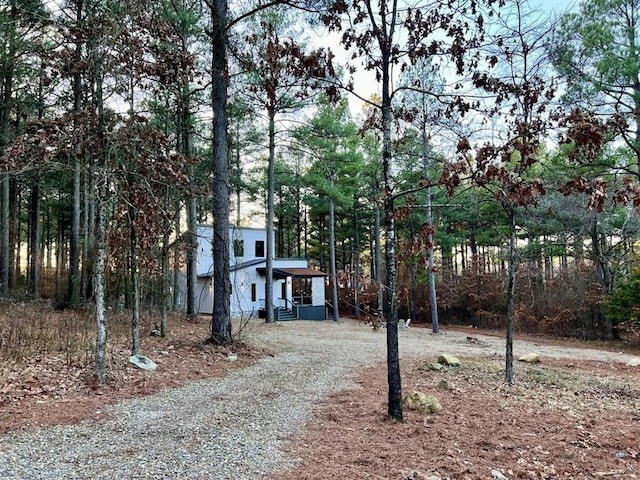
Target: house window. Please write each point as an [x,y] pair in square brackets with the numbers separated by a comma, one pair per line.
[238,248]
[259,248]
[254,292]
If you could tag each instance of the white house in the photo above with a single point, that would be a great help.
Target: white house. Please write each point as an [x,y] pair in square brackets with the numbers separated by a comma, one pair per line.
[298,291]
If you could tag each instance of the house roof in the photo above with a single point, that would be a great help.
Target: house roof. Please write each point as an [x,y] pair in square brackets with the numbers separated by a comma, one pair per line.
[302,272]
[293,272]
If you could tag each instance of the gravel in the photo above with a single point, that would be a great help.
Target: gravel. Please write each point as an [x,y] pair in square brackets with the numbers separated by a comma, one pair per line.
[224,428]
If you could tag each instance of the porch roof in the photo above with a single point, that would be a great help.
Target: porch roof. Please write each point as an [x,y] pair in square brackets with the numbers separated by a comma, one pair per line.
[280,273]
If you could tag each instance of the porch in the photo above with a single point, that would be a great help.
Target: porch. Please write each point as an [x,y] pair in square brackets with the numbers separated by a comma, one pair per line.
[301,294]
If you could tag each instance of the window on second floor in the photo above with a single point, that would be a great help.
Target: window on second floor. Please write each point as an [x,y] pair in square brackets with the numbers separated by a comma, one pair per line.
[238,248]
[259,248]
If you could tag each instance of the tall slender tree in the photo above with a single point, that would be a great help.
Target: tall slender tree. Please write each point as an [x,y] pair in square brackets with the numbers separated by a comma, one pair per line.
[523,89]
[331,141]
[280,76]
[384,36]
[219,36]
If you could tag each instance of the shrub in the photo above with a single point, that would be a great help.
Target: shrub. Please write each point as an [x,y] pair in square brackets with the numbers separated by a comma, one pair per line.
[623,306]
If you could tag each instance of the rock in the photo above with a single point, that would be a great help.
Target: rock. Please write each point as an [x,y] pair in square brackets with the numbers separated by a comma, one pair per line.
[446,385]
[435,366]
[498,474]
[231,358]
[143,362]
[634,362]
[449,360]
[530,358]
[422,402]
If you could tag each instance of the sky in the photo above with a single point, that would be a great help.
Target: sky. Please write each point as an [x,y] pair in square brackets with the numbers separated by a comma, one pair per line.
[364,81]
[557,6]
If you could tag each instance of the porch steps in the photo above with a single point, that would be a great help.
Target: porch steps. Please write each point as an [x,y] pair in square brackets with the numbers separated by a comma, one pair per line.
[283,314]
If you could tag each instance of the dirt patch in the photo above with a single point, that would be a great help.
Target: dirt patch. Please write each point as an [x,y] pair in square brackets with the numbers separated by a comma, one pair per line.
[561,420]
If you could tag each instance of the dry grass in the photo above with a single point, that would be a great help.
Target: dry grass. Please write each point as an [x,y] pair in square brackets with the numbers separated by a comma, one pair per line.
[35,328]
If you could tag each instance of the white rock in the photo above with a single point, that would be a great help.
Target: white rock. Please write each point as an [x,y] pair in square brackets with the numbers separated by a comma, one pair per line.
[530,358]
[498,474]
[143,362]
[450,360]
[634,362]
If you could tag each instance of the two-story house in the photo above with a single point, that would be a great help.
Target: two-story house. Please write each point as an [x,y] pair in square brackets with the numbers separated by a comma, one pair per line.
[298,291]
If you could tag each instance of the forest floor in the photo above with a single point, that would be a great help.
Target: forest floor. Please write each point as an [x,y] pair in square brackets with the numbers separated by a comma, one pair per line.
[562,419]
[55,388]
[576,414]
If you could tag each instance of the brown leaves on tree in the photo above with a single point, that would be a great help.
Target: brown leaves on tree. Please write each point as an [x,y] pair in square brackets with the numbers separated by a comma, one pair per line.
[281,64]
[153,184]
[586,137]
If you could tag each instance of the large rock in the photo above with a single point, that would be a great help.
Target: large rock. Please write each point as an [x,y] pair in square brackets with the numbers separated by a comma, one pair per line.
[634,362]
[143,362]
[530,358]
[422,402]
[449,360]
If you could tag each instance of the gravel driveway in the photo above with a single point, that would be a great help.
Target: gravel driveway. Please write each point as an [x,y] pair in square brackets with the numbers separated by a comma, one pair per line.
[234,427]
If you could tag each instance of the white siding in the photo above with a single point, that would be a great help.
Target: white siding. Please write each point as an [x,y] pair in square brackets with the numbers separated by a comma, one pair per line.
[204,295]
[317,291]
[248,236]
[242,278]
[205,249]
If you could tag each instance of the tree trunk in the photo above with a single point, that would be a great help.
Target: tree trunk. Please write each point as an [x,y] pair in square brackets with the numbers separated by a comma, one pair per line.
[133,278]
[98,285]
[6,103]
[356,260]
[268,294]
[378,258]
[433,299]
[604,277]
[332,256]
[511,293]
[184,134]
[14,232]
[299,224]
[4,233]
[166,282]
[221,319]
[88,234]
[34,240]
[101,191]
[176,269]
[73,294]
[413,297]
[192,250]
[391,305]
